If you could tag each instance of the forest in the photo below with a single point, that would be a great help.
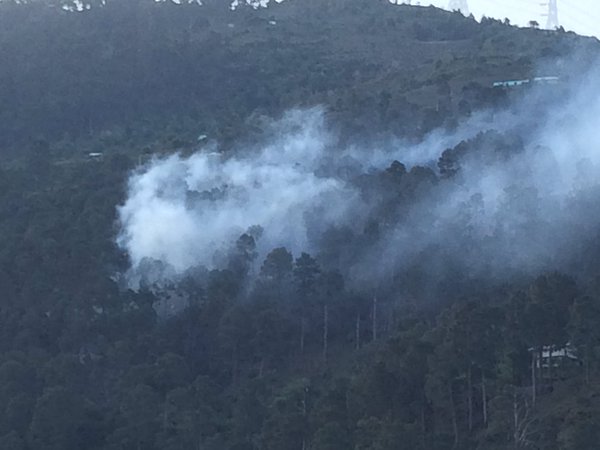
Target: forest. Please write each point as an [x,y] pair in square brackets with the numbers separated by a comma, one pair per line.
[315,225]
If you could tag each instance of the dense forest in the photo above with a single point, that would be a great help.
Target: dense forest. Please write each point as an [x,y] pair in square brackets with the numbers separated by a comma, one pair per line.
[413,261]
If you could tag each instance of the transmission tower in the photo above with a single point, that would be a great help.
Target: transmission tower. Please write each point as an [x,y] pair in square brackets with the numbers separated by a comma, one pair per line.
[552,14]
[459,5]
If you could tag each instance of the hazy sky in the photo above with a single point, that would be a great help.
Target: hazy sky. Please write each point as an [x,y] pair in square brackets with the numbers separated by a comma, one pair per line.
[581,16]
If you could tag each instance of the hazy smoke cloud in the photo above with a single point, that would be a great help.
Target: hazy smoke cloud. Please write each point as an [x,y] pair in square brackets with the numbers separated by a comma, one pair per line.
[187,211]
[532,207]
[527,206]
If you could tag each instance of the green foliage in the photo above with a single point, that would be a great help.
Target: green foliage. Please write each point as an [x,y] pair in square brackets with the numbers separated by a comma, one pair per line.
[158,66]
[88,364]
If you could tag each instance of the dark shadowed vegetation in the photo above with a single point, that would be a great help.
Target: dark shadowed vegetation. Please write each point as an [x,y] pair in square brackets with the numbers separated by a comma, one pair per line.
[275,351]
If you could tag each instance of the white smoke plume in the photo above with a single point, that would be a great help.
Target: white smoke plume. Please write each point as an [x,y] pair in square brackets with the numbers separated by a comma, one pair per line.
[527,210]
[185,212]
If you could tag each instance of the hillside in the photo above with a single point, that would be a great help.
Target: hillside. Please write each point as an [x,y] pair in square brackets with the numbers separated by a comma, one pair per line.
[314,226]
[147,67]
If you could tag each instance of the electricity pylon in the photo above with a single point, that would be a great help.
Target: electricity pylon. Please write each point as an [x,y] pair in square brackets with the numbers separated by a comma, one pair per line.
[552,14]
[459,5]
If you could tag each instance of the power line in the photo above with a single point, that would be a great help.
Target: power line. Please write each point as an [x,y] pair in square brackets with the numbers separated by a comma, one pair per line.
[579,14]
[582,24]
[569,10]
[552,14]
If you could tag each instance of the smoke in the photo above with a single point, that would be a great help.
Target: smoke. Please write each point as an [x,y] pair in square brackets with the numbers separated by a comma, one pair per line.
[519,201]
[517,192]
[186,212]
